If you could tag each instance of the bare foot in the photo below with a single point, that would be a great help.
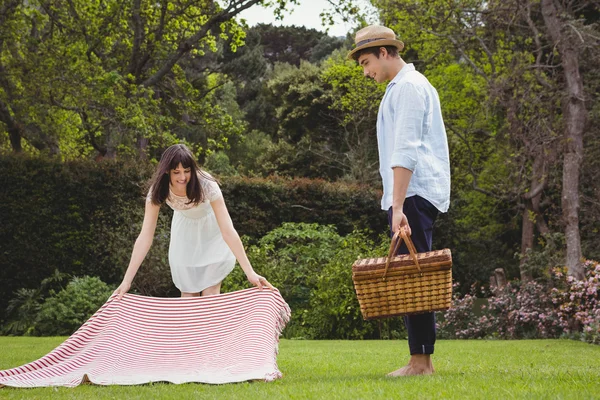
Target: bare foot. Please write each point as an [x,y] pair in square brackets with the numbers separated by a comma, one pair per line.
[409,370]
[419,364]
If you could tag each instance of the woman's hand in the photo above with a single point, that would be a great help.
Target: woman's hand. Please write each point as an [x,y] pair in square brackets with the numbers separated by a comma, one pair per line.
[259,281]
[122,289]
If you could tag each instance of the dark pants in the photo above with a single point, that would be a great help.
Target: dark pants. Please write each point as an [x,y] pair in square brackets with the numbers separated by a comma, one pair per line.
[421,215]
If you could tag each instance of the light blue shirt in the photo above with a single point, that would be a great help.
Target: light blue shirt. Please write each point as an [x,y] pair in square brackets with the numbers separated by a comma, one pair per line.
[411,134]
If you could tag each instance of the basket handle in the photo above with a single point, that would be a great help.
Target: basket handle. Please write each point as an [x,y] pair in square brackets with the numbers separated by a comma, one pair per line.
[400,235]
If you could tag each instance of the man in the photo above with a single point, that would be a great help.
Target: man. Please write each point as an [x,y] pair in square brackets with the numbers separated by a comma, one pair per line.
[413,162]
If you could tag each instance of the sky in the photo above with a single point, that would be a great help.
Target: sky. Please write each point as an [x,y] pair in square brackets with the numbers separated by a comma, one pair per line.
[306,14]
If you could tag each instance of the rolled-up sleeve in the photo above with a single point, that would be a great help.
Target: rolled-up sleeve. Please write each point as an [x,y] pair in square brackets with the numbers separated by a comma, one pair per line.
[409,111]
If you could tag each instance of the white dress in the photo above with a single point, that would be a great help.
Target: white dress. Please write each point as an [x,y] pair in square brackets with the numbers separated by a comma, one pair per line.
[198,255]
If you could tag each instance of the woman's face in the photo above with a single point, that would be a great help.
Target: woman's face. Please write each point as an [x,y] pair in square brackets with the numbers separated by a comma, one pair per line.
[180,177]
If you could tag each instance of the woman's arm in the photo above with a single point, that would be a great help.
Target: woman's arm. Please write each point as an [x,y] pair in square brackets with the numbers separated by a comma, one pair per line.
[141,247]
[234,242]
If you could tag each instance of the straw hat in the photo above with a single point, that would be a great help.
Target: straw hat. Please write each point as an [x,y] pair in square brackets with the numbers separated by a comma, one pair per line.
[375,36]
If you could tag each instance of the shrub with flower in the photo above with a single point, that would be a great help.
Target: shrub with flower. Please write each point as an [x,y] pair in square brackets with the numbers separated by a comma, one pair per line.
[523,310]
[462,321]
[577,303]
[551,308]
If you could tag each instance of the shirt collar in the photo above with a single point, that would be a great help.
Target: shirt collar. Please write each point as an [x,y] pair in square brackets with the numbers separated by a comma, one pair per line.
[406,69]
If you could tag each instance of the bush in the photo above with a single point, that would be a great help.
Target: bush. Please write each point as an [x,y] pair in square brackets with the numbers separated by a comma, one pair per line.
[23,308]
[548,308]
[218,163]
[64,312]
[291,257]
[551,254]
[334,312]
[82,218]
[259,205]
[461,321]
[311,264]
[577,303]
[154,275]
[54,216]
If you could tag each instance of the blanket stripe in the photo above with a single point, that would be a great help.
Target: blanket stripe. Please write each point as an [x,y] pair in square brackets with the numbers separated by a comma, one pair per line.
[230,337]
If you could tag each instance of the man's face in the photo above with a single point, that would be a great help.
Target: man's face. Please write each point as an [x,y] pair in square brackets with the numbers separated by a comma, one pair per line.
[374,67]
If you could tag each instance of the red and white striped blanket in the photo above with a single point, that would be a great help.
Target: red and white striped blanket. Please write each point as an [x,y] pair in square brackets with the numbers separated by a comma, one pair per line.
[230,337]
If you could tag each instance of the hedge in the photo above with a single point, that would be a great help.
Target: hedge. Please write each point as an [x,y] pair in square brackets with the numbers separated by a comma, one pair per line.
[71,216]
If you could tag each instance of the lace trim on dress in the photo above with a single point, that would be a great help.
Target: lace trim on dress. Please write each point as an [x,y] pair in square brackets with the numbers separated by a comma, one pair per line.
[211,189]
[179,202]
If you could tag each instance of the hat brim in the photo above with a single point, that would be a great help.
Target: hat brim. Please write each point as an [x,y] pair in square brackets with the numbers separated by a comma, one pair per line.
[377,43]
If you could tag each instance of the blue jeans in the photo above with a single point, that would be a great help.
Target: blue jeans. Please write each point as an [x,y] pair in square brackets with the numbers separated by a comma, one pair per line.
[421,215]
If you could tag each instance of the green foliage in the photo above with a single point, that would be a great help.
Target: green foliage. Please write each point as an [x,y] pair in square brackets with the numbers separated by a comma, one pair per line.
[65,311]
[82,218]
[299,90]
[539,262]
[55,216]
[590,172]
[111,77]
[311,264]
[295,255]
[288,44]
[294,160]
[23,308]
[248,154]
[219,164]
[115,243]
[259,205]
[334,312]
[292,257]
[325,47]
[353,102]
[327,120]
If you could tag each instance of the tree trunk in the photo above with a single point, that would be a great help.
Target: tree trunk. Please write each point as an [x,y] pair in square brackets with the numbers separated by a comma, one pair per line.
[531,212]
[527,233]
[575,117]
[142,147]
[14,131]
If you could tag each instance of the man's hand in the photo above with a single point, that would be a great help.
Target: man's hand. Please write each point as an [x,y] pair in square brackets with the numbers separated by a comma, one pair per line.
[399,220]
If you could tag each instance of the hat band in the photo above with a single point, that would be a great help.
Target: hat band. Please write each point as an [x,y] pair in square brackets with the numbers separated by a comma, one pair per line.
[368,41]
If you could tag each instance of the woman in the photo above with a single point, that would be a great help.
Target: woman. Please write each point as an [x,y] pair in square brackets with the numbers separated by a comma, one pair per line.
[204,244]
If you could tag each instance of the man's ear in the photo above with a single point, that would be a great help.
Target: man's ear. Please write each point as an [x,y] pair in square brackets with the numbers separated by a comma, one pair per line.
[383,52]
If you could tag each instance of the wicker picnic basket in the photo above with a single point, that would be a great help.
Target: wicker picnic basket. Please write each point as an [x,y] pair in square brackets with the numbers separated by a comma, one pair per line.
[407,284]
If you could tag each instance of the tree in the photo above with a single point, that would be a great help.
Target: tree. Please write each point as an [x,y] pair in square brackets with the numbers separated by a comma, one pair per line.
[114,76]
[287,44]
[354,102]
[251,66]
[571,35]
[328,114]
[510,44]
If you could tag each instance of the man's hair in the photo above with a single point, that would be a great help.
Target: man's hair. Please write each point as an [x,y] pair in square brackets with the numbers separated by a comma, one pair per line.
[392,51]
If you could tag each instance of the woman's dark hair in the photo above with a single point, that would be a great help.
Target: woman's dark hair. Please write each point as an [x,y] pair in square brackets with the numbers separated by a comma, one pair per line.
[170,159]
[392,51]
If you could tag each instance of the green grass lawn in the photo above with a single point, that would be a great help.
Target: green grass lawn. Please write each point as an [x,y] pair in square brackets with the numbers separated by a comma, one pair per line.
[476,369]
